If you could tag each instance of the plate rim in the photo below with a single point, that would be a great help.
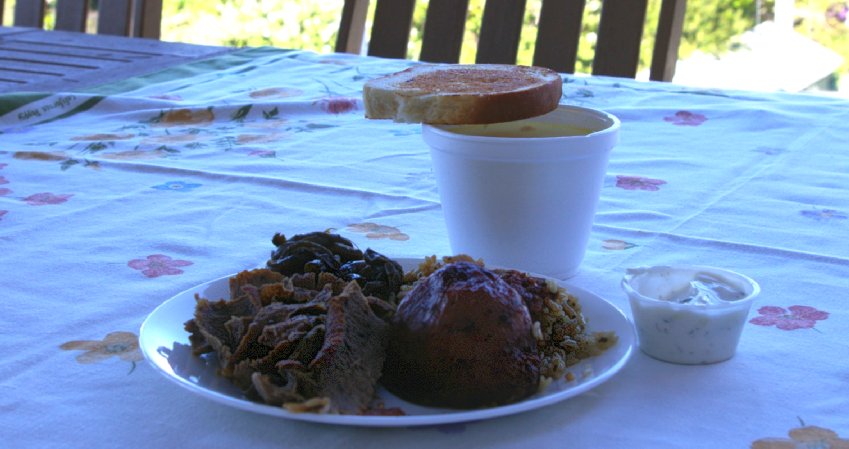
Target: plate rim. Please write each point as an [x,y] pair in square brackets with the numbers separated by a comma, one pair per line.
[459,416]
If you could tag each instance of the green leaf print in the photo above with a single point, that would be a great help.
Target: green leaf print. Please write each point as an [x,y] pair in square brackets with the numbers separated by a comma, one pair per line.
[272,114]
[228,142]
[167,149]
[68,164]
[312,126]
[156,119]
[241,113]
[98,146]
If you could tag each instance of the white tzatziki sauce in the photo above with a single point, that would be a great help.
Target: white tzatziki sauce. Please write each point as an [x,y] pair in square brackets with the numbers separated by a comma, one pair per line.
[689,314]
[704,288]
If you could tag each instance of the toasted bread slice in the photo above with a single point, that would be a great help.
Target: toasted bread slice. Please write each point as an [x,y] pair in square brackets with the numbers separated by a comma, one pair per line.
[463,94]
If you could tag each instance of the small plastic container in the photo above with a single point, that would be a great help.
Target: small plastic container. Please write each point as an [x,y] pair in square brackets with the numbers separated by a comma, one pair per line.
[689,314]
[523,194]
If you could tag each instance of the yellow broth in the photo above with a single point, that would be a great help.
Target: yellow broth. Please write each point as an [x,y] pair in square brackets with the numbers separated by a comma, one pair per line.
[520,129]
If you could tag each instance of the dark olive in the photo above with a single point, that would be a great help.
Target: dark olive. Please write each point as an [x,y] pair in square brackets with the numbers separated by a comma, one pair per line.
[294,256]
[319,252]
[377,274]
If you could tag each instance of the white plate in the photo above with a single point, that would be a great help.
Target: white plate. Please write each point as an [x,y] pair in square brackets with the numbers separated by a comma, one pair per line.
[166,346]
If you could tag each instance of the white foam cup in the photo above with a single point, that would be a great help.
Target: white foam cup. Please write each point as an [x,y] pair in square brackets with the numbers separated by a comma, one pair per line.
[523,202]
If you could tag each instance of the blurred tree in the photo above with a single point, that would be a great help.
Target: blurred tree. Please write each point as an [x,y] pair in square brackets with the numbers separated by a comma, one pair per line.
[827,22]
[710,25]
[300,24]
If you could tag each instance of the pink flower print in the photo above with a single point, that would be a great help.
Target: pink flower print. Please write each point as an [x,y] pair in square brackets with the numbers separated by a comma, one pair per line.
[769,151]
[43,199]
[158,265]
[4,191]
[616,245]
[3,165]
[337,105]
[2,213]
[167,97]
[638,183]
[797,317]
[686,118]
[3,180]
[262,153]
[824,214]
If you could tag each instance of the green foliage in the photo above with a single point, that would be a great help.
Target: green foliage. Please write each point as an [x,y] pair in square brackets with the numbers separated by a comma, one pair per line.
[283,23]
[710,25]
[814,20]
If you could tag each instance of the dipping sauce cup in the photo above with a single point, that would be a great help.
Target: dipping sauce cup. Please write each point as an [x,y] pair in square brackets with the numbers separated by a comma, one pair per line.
[523,194]
[689,314]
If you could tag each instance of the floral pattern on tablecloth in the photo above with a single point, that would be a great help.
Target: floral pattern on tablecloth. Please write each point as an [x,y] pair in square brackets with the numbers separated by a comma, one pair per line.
[792,318]
[177,186]
[115,199]
[824,214]
[807,437]
[686,118]
[378,231]
[617,245]
[638,183]
[156,265]
[121,344]
[47,198]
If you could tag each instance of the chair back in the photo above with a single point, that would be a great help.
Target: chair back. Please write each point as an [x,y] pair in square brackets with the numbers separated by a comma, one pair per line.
[134,18]
[617,47]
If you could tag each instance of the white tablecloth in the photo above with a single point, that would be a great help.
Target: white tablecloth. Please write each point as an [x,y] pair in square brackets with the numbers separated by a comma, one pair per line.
[114,200]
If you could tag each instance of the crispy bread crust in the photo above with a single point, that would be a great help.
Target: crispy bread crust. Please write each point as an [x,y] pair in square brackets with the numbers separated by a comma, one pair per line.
[463,94]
